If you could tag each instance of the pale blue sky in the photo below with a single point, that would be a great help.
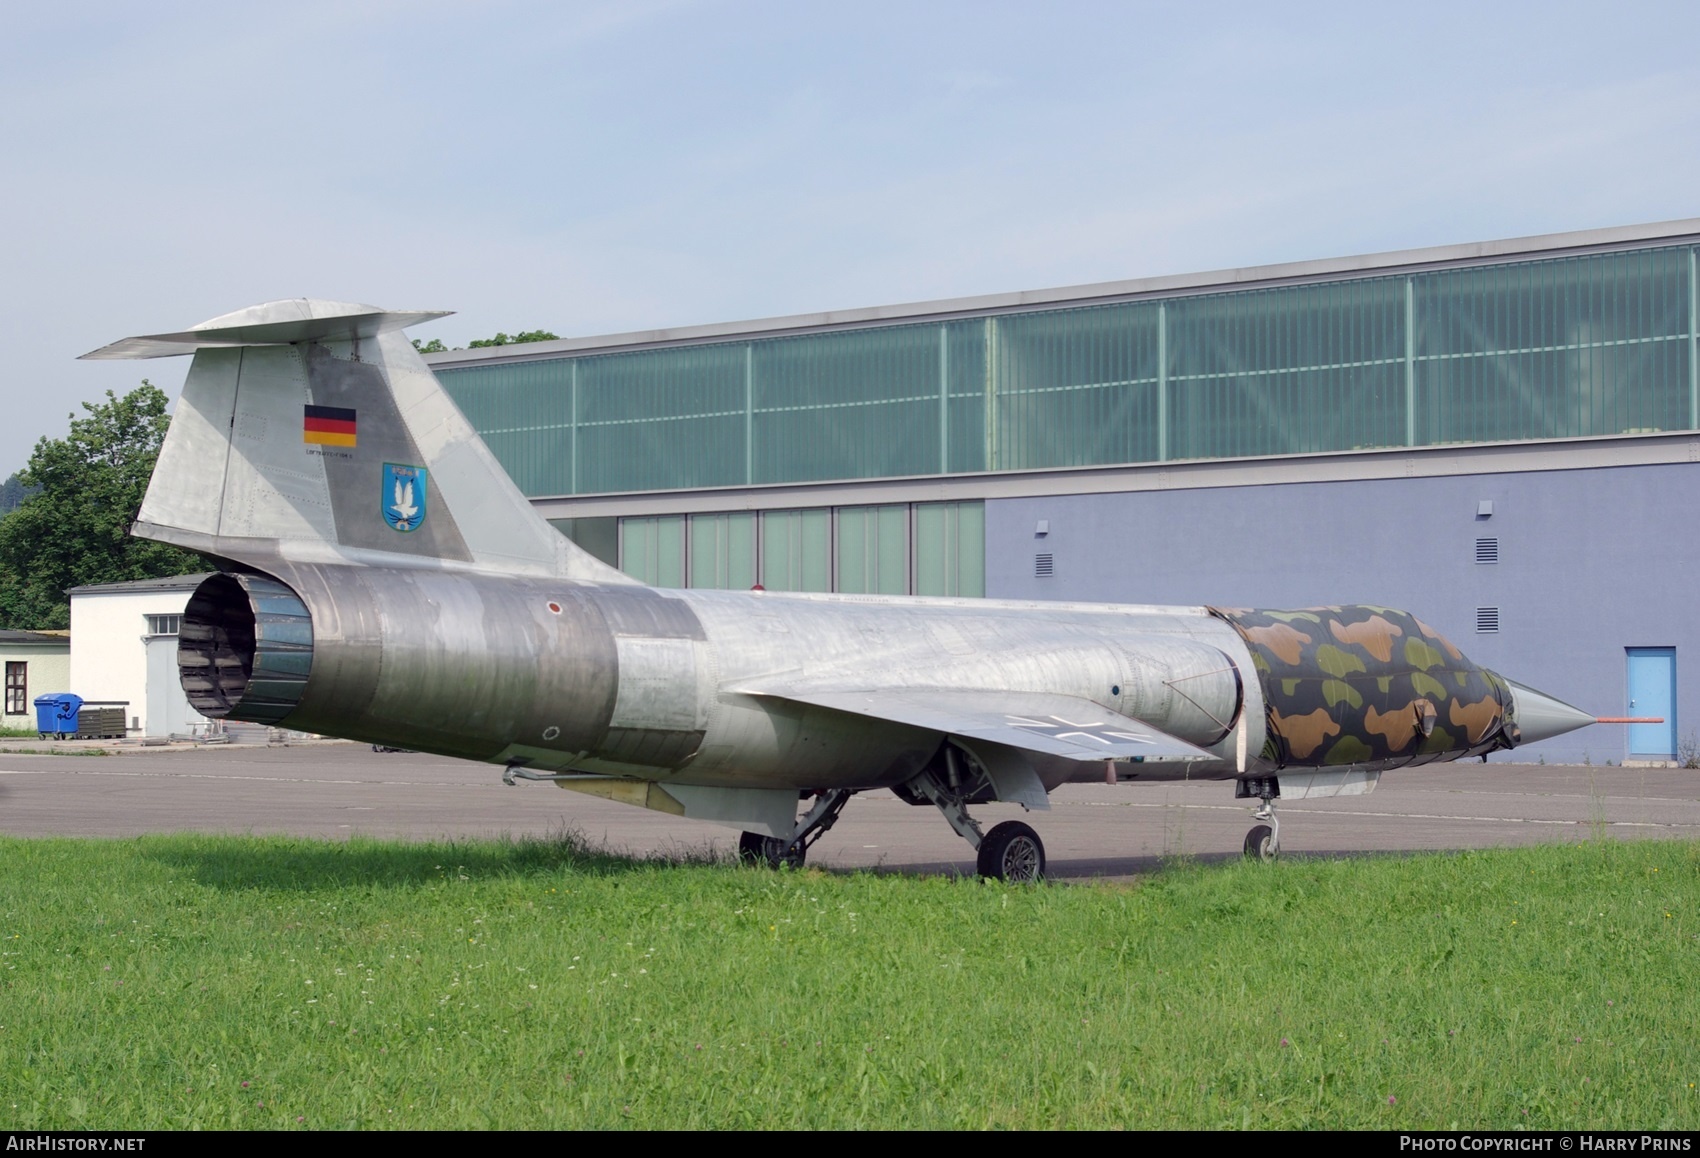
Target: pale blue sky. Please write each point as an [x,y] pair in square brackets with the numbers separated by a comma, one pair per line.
[589,168]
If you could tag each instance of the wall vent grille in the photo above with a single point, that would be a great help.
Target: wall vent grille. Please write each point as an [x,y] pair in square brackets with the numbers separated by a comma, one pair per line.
[1043,565]
[1487,550]
[1487,620]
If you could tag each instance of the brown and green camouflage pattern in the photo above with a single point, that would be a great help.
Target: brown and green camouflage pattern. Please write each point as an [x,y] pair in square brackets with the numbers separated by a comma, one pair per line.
[1369,685]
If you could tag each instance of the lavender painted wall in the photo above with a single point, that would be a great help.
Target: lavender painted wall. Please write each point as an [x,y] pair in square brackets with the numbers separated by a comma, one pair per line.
[1591,562]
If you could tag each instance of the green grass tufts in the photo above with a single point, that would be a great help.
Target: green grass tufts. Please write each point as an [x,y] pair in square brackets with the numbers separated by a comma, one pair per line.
[195,981]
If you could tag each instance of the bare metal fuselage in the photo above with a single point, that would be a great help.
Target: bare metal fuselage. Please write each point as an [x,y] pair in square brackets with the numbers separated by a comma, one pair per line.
[699,687]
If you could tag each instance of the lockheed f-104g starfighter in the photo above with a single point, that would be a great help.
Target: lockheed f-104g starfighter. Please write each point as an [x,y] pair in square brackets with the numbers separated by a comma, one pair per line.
[381,578]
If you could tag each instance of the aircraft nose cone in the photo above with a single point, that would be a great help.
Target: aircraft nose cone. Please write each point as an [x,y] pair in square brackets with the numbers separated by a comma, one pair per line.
[1541,717]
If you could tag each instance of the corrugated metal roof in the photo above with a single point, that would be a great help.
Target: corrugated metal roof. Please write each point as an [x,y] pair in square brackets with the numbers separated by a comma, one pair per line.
[136,586]
[35,638]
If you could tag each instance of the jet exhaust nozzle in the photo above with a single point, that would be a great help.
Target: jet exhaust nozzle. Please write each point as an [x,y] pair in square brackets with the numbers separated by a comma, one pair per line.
[245,648]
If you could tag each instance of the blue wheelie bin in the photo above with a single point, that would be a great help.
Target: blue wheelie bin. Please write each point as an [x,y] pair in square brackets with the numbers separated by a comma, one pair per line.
[56,714]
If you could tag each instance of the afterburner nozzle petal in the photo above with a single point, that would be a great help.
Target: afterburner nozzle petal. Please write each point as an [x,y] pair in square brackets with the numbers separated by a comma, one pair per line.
[1541,717]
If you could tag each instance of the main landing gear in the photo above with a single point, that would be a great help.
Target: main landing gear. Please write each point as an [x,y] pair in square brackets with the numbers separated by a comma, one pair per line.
[774,852]
[1263,842]
[1010,852]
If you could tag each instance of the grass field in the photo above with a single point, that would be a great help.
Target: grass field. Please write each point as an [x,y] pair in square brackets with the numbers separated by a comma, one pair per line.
[276,983]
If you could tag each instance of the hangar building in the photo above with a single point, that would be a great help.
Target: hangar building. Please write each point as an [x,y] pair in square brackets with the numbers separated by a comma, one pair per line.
[1503,437]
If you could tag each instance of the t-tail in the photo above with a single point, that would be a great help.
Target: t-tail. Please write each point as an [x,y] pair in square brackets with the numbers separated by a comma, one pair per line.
[312,432]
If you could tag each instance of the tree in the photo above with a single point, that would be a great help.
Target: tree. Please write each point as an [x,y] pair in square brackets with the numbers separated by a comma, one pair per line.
[435,345]
[75,528]
[502,339]
[12,492]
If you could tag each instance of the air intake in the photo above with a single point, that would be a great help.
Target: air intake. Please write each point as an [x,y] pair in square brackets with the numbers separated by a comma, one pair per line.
[1043,565]
[1487,550]
[245,649]
[1487,620]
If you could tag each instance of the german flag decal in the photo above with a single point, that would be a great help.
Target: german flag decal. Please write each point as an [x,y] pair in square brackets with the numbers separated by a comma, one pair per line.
[328,426]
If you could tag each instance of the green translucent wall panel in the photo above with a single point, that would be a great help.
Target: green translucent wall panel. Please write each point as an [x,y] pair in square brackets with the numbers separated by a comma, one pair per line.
[661,420]
[797,550]
[966,387]
[1554,349]
[600,536]
[653,550]
[950,549]
[1561,347]
[723,550]
[861,404]
[1287,371]
[524,413]
[893,549]
[873,550]
[1075,387]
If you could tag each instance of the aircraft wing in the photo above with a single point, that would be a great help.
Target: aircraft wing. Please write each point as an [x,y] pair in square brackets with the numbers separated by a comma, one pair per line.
[1053,725]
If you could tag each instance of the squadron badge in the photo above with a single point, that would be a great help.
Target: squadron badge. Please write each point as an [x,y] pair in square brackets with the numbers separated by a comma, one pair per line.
[404,496]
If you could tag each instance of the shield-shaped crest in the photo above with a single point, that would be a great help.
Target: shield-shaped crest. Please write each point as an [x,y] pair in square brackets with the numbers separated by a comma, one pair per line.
[404,496]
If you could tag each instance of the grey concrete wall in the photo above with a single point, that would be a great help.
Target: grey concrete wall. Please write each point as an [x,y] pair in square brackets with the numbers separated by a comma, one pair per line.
[1591,562]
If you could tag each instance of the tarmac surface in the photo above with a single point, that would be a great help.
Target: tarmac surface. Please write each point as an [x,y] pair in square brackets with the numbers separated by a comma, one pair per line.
[334,789]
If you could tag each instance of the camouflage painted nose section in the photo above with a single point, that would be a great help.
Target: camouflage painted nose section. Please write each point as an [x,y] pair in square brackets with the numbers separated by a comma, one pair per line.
[1370,685]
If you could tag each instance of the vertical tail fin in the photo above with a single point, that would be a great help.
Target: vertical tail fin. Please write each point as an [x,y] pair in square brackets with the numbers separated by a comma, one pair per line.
[313,431]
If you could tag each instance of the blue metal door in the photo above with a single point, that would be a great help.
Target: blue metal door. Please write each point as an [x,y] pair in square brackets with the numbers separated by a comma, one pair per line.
[1652,692]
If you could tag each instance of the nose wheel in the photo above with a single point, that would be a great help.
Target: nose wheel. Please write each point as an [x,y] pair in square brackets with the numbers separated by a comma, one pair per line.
[1263,842]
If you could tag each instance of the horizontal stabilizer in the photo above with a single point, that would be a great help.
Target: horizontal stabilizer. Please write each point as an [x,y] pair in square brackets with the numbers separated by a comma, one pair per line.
[272,324]
[1053,725]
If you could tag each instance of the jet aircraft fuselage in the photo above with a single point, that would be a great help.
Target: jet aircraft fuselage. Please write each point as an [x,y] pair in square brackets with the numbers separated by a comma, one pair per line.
[735,689]
[381,579]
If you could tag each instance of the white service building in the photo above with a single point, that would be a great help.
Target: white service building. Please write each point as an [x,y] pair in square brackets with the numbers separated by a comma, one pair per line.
[124,648]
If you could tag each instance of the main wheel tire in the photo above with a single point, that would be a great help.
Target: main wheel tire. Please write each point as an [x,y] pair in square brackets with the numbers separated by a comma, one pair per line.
[1260,843]
[1012,852]
[770,851]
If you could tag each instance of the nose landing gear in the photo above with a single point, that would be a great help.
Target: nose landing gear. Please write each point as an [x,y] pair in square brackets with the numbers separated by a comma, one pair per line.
[1264,840]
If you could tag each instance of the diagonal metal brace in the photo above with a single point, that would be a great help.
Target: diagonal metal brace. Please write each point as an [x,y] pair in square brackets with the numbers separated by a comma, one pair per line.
[821,817]
[949,801]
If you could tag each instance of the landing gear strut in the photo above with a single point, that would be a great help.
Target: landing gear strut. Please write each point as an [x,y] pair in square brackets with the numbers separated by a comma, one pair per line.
[775,852]
[1010,852]
[1264,840]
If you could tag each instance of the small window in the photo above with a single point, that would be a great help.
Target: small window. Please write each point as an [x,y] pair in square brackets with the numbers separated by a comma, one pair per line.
[164,624]
[1487,620]
[1043,565]
[1487,550]
[17,688]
